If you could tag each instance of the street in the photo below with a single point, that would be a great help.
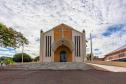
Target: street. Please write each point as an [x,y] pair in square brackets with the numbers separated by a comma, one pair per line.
[91,76]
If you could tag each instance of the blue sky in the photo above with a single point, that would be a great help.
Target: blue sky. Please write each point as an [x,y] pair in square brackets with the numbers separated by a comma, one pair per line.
[114,29]
[105,19]
[7,52]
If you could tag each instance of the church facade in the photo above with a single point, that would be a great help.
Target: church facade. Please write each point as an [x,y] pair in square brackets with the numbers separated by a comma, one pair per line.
[62,44]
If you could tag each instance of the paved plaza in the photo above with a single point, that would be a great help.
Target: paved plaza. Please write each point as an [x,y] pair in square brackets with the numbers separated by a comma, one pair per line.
[88,76]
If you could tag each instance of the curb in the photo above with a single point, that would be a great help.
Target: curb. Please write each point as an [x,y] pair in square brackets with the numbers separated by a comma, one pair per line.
[97,67]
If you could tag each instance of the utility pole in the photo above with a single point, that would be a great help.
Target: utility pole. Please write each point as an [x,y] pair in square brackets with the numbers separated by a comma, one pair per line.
[22,51]
[91,58]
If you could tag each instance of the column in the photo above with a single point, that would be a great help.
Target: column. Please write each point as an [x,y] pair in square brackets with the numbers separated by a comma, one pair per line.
[83,46]
[41,46]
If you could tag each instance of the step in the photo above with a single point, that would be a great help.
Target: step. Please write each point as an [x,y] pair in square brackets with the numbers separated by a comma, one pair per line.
[54,66]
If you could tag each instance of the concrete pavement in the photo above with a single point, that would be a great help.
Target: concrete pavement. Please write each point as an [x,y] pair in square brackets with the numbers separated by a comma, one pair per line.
[75,76]
[108,68]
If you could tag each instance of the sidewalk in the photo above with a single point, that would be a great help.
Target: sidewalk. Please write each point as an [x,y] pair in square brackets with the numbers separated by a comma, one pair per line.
[108,68]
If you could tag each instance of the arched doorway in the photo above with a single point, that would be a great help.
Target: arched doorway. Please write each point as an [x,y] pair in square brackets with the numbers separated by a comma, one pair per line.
[63,54]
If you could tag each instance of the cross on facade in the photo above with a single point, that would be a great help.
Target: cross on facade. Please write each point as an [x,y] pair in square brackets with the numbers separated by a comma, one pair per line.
[62,30]
[62,40]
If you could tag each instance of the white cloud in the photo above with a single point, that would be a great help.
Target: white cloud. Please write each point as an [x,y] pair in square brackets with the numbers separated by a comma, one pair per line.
[30,16]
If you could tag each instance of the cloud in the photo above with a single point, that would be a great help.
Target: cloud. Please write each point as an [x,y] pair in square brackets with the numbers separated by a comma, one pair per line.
[113,29]
[111,41]
[96,16]
[7,51]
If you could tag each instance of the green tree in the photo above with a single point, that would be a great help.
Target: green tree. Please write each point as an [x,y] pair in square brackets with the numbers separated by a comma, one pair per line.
[8,61]
[36,59]
[18,57]
[11,38]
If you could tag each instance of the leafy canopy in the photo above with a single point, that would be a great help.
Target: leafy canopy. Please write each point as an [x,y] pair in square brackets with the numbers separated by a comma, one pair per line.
[18,57]
[11,38]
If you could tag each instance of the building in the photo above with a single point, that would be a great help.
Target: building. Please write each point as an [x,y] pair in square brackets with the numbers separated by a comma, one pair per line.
[62,44]
[117,55]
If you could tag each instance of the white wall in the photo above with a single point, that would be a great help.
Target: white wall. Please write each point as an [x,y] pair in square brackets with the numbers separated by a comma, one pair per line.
[75,58]
[48,59]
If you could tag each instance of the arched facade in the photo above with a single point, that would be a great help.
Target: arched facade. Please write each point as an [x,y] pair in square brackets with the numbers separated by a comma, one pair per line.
[57,54]
[62,44]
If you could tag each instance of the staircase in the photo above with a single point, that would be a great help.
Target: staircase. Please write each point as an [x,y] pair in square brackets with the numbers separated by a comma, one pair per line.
[54,66]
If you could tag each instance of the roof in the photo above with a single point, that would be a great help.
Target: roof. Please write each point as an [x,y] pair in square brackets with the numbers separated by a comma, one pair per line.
[122,47]
[63,25]
[117,50]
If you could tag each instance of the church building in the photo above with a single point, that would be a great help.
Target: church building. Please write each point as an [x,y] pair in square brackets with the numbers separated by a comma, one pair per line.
[62,44]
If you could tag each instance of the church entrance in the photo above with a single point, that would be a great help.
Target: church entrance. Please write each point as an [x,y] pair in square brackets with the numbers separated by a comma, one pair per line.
[63,57]
[63,54]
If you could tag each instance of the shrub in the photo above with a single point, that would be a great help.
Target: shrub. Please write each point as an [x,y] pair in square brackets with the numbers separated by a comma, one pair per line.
[2,58]
[18,57]
[8,61]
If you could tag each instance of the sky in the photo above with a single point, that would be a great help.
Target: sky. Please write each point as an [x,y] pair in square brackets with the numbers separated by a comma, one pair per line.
[105,19]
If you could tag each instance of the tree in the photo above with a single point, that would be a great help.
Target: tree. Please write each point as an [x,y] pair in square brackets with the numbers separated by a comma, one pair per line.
[6,60]
[2,58]
[11,38]
[89,57]
[18,57]
[36,59]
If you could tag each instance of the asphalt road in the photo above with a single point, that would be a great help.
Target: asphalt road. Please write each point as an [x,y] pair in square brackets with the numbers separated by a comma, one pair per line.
[91,76]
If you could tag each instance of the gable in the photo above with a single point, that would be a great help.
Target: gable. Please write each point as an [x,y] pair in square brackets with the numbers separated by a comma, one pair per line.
[62,31]
[63,25]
